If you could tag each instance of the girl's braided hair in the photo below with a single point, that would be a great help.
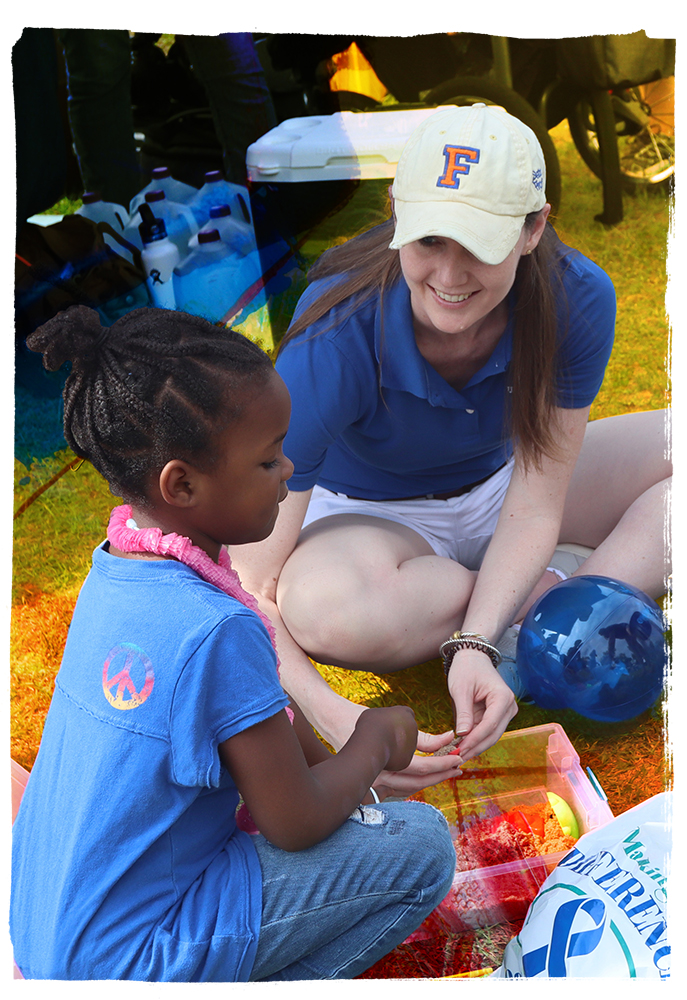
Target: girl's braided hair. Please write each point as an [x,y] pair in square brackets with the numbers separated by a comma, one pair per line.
[156,385]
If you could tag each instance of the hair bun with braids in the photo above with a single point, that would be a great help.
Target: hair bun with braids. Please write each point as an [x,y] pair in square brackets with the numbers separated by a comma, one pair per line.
[162,388]
[73,335]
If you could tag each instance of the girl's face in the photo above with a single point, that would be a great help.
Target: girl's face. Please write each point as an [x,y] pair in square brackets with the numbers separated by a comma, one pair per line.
[451,291]
[238,499]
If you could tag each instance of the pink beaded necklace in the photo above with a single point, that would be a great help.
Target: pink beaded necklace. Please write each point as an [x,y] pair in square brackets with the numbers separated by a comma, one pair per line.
[125,535]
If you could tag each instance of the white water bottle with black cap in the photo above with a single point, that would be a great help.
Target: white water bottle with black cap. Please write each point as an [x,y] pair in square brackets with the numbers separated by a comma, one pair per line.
[159,257]
[179,221]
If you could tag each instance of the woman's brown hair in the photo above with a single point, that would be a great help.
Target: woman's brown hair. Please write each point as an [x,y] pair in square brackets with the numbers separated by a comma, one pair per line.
[370,267]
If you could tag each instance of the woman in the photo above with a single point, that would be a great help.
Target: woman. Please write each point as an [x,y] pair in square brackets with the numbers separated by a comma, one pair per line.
[441,369]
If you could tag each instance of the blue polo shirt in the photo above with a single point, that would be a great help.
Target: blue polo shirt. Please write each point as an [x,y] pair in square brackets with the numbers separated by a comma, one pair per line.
[371,418]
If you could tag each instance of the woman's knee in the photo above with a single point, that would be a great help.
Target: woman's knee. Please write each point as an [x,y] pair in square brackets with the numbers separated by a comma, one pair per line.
[634,444]
[622,459]
[338,614]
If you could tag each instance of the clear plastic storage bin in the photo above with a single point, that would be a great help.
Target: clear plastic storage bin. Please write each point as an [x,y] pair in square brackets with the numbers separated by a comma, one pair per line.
[517,771]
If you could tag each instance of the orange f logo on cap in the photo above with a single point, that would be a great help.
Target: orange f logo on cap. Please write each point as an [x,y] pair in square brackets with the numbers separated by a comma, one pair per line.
[457,163]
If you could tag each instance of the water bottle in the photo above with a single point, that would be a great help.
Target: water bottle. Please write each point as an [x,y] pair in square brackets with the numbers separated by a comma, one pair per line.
[162,180]
[217,191]
[97,210]
[179,221]
[206,282]
[159,258]
[236,233]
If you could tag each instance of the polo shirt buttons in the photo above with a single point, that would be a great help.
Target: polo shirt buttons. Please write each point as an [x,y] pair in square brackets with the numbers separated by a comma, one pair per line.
[469,411]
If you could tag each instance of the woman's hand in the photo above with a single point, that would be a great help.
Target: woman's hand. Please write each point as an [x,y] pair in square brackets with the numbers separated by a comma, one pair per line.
[483,703]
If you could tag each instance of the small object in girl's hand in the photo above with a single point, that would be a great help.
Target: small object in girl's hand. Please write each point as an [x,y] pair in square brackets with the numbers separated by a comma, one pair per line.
[449,748]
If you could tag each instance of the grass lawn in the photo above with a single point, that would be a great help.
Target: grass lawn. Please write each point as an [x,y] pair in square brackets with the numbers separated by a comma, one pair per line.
[55,535]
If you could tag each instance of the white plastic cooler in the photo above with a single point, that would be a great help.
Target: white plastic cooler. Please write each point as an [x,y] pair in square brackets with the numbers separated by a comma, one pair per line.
[341,146]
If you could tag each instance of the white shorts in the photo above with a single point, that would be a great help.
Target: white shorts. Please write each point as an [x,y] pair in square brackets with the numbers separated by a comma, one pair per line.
[459,528]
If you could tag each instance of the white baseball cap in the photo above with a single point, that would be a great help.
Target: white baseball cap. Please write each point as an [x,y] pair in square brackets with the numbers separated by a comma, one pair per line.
[471,174]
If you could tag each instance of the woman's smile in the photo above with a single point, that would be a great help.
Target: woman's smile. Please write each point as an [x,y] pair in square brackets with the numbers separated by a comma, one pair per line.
[452,299]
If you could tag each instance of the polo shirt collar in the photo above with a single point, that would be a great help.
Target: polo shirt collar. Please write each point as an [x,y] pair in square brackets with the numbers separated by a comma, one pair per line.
[403,367]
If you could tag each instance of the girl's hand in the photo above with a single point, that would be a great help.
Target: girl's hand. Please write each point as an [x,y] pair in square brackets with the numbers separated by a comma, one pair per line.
[483,703]
[424,769]
[397,726]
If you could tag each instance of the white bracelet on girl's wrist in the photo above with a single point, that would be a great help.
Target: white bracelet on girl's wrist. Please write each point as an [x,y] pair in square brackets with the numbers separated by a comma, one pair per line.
[374,795]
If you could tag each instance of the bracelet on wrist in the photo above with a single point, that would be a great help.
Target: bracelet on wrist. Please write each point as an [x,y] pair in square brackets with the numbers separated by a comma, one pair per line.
[469,640]
[374,795]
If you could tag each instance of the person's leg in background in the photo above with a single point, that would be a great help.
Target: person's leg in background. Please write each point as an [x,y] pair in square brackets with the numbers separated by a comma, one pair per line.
[229,68]
[333,910]
[99,86]
[41,140]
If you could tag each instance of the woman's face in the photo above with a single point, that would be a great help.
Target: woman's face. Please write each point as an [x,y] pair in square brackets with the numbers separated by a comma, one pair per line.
[451,291]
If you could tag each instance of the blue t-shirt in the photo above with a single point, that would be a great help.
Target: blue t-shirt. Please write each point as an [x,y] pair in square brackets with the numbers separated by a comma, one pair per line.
[372,418]
[127,862]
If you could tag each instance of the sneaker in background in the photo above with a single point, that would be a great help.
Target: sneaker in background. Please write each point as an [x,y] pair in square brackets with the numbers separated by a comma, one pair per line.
[568,558]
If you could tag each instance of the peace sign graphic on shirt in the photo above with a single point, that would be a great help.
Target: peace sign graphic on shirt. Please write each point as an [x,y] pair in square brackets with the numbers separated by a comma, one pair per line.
[119,689]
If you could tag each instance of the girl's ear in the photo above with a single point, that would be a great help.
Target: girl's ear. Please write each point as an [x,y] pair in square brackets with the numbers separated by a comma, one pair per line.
[177,482]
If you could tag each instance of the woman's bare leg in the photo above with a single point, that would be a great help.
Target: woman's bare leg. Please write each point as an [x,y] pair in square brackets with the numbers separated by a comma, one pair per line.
[617,503]
[367,593]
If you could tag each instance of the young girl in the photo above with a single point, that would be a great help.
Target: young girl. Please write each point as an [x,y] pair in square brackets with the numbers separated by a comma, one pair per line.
[127,860]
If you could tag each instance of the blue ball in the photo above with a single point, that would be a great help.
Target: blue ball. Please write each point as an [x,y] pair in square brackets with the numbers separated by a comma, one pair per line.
[594,645]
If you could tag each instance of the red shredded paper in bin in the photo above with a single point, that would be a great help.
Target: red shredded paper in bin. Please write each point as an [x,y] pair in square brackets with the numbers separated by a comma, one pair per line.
[437,949]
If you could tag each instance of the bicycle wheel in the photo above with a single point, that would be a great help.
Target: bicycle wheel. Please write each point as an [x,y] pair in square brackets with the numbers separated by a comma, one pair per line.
[466,90]
[644,125]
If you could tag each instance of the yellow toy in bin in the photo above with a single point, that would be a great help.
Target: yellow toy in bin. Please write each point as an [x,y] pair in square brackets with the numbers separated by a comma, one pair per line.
[564,815]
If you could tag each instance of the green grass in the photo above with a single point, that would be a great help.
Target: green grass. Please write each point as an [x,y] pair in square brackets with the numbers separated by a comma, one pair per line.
[54,537]
[65,206]
[633,253]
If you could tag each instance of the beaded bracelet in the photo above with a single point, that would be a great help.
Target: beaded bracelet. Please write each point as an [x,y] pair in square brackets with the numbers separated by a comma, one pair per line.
[472,640]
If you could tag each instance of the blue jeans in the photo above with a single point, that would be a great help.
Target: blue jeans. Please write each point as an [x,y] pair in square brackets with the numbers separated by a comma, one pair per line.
[229,68]
[98,65]
[333,910]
